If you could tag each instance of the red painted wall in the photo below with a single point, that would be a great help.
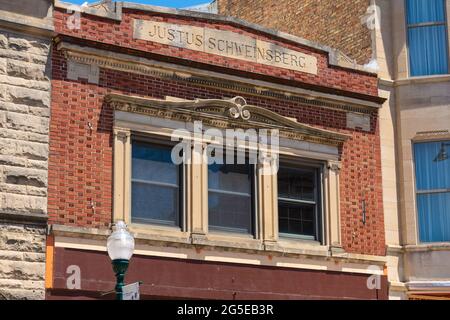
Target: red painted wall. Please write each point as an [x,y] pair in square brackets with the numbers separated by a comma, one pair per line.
[174,278]
[80,163]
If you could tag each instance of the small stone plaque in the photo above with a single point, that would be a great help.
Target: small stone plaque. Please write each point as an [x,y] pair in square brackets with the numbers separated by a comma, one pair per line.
[356,120]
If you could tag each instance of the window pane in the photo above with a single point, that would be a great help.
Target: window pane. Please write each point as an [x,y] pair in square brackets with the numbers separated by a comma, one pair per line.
[428,52]
[434,217]
[153,163]
[154,204]
[422,11]
[155,185]
[296,219]
[296,184]
[432,170]
[230,212]
[230,177]
[230,197]
[297,201]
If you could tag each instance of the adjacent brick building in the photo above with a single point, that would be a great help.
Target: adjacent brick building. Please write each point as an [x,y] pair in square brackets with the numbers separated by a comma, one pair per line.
[337,24]
[119,85]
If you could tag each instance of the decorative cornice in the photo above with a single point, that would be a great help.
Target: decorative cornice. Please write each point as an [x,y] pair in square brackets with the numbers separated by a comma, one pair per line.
[227,113]
[113,10]
[29,25]
[433,135]
[139,65]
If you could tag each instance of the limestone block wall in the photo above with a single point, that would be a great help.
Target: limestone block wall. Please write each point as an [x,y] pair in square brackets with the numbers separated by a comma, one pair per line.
[24,124]
[22,261]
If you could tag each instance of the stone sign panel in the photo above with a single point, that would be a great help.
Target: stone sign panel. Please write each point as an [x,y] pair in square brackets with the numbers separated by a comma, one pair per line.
[224,43]
[355,120]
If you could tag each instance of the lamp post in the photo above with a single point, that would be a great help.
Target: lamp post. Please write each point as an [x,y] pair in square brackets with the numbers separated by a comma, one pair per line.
[443,155]
[120,247]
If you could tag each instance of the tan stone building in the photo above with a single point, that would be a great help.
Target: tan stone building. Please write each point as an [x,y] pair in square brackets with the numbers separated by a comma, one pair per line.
[25,38]
[407,42]
[412,53]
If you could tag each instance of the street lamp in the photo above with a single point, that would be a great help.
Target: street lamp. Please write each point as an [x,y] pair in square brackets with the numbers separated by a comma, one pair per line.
[120,249]
[443,155]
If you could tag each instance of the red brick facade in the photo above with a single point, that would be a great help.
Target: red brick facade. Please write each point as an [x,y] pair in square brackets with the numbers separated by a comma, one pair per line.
[107,32]
[81,138]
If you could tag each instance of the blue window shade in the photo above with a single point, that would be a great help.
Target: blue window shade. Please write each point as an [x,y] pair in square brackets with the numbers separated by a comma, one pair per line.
[428,50]
[155,185]
[423,11]
[434,217]
[433,191]
[431,174]
[427,37]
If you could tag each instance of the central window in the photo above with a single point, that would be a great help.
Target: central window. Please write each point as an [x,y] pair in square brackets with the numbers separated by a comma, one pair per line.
[230,197]
[298,202]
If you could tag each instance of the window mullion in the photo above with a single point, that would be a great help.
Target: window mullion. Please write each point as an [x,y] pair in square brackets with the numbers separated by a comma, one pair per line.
[426,24]
[156,183]
[296,201]
[433,191]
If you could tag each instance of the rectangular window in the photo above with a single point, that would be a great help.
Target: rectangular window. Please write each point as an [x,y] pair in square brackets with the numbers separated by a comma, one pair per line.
[156,188]
[433,190]
[231,197]
[298,202]
[427,37]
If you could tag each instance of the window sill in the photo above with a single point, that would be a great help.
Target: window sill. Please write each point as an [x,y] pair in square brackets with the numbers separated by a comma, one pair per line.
[301,247]
[235,241]
[159,233]
[423,247]
[423,79]
[95,239]
[228,240]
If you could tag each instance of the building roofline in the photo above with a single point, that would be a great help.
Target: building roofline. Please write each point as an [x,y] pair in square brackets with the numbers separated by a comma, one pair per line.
[29,24]
[113,11]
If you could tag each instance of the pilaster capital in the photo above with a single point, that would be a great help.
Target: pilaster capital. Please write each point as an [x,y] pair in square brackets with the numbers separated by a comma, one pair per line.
[122,134]
[334,166]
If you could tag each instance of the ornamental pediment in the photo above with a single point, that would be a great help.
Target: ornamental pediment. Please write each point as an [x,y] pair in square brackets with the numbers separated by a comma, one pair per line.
[224,113]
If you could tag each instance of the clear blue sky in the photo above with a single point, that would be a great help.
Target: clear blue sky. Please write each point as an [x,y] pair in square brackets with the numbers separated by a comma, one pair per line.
[162,3]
